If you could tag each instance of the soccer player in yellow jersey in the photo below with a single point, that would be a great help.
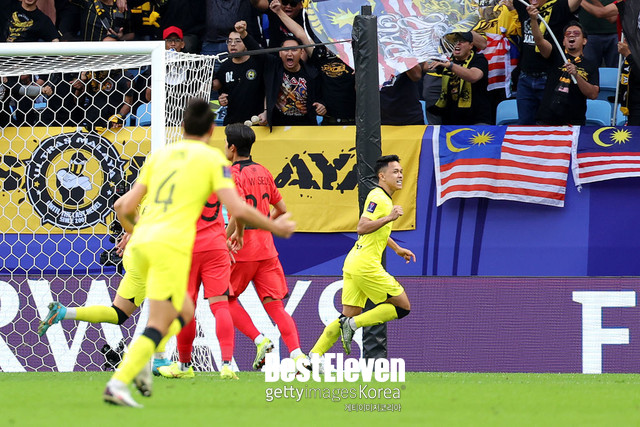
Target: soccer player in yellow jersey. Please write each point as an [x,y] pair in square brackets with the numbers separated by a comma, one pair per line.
[177,180]
[363,274]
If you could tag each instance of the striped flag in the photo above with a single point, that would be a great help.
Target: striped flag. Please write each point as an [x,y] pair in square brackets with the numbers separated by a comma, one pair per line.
[501,64]
[604,153]
[520,163]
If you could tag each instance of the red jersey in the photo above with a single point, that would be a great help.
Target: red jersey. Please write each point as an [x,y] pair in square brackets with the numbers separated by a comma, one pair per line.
[255,183]
[211,233]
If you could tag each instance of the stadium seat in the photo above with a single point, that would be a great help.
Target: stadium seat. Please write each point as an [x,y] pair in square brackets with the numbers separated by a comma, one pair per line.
[608,82]
[507,112]
[143,114]
[424,111]
[598,112]
[621,119]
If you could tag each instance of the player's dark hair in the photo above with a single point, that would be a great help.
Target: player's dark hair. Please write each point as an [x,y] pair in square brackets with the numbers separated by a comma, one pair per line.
[575,24]
[295,39]
[241,136]
[198,118]
[384,161]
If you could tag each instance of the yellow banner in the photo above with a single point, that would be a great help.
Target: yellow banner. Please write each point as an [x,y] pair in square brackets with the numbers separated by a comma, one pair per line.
[315,170]
[56,180]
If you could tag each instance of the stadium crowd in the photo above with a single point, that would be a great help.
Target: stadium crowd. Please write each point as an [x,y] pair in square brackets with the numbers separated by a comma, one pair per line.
[313,86]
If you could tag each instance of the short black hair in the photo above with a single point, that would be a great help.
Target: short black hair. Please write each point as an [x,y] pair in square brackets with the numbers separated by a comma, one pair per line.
[289,37]
[241,136]
[198,118]
[384,161]
[575,23]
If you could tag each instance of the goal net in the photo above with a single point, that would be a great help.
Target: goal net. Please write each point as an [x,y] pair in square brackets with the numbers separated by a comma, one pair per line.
[77,121]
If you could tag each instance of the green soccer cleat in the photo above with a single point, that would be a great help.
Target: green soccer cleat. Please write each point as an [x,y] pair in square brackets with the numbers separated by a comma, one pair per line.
[174,371]
[266,346]
[117,393]
[306,363]
[346,333]
[226,373]
[157,363]
[56,314]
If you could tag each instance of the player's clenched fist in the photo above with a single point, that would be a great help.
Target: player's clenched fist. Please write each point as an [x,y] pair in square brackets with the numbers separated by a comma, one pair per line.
[396,212]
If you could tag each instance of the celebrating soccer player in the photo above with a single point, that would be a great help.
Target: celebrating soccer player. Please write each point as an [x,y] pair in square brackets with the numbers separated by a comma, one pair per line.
[363,274]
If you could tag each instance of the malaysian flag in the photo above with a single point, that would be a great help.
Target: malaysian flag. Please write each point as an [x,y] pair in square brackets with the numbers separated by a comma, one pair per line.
[520,163]
[604,153]
[501,64]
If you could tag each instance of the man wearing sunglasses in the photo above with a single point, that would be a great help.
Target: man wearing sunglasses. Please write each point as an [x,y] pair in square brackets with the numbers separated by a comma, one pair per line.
[278,31]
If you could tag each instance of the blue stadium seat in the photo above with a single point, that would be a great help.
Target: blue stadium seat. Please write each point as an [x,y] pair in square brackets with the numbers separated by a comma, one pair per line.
[621,119]
[507,112]
[143,113]
[598,112]
[424,111]
[608,82]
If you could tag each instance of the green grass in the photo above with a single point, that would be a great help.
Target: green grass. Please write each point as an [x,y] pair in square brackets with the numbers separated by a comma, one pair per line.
[438,399]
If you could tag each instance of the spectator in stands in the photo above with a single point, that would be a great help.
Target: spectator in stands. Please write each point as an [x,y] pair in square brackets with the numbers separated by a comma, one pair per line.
[103,21]
[145,18]
[603,37]
[27,23]
[278,31]
[293,92]
[190,15]
[240,82]
[630,95]
[565,103]
[221,18]
[104,99]
[463,99]
[400,99]
[338,79]
[533,66]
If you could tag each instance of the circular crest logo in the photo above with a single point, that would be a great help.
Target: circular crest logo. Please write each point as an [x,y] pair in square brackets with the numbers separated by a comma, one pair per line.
[71,179]
[251,74]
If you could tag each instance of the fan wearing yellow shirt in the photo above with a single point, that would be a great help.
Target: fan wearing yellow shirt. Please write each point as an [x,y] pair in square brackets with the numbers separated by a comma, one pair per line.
[177,180]
[363,275]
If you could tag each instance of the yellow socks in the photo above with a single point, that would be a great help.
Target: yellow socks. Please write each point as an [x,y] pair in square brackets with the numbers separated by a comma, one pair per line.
[380,314]
[134,360]
[328,338]
[97,314]
[174,328]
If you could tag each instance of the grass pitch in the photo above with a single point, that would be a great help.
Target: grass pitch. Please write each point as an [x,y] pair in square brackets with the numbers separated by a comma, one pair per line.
[439,399]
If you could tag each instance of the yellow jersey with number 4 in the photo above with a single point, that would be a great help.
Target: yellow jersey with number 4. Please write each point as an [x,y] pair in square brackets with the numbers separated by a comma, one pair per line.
[366,254]
[179,179]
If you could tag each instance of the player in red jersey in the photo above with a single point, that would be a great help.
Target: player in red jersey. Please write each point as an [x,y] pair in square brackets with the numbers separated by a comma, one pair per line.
[210,265]
[258,261]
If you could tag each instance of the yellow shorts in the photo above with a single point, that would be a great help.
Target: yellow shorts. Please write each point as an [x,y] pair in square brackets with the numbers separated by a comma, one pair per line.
[163,269]
[132,286]
[377,286]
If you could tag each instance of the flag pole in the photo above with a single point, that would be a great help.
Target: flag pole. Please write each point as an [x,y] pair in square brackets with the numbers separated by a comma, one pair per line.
[555,40]
[614,115]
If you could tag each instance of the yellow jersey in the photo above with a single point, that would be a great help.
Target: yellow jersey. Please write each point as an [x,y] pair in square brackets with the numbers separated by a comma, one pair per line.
[366,254]
[179,179]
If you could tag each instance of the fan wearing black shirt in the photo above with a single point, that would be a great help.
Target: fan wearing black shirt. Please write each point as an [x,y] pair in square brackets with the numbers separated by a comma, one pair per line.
[27,23]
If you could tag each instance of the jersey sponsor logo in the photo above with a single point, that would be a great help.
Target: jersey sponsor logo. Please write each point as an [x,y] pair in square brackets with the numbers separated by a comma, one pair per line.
[226,171]
[372,207]
[71,179]
[251,74]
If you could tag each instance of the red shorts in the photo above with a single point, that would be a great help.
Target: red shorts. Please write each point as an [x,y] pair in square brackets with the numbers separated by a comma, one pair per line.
[267,276]
[212,269]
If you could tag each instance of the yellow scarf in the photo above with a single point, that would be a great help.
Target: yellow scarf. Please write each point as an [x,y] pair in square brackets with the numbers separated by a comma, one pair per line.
[464,88]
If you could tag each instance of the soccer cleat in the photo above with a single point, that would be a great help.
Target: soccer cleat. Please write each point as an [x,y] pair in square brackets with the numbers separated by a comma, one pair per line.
[266,346]
[157,363]
[226,373]
[306,363]
[346,333]
[56,314]
[117,393]
[174,371]
[144,380]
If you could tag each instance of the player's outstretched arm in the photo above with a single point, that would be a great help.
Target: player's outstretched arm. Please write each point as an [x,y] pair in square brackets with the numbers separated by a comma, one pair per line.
[126,207]
[403,252]
[281,226]
[368,225]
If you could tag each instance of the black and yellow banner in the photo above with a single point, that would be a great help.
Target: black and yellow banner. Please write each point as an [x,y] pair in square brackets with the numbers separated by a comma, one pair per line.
[314,168]
[55,180]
